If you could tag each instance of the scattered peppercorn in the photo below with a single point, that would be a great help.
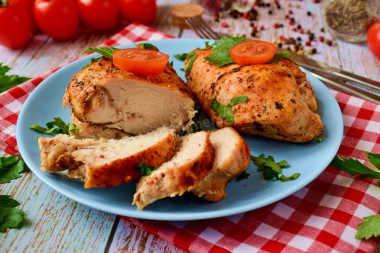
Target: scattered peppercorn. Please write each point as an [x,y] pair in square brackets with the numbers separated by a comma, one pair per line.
[308,31]
[278,6]
[299,38]
[270,12]
[286,16]
[282,38]
[320,38]
[291,41]
[275,25]
[308,43]
[224,24]
[311,36]
[301,30]
[290,12]
[322,29]
[261,27]
[279,45]
[299,26]
[309,13]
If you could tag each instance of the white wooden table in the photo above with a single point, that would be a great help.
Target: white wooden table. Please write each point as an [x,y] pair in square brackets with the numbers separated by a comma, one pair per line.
[57,224]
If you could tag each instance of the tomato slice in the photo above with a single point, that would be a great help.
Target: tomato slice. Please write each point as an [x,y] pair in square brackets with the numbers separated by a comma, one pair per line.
[140,61]
[252,52]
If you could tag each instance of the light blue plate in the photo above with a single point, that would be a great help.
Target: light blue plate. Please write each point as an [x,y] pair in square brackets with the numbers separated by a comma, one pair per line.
[309,159]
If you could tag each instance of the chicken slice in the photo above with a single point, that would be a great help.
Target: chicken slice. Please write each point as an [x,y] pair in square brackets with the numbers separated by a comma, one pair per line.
[106,163]
[103,95]
[232,157]
[280,100]
[189,165]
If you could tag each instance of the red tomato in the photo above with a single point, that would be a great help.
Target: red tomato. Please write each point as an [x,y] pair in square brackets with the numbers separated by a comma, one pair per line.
[100,15]
[57,18]
[373,39]
[140,61]
[15,27]
[29,6]
[252,52]
[141,11]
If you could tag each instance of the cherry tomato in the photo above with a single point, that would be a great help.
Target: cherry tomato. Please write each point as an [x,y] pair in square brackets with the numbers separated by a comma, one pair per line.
[252,52]
[29,6]
[140,61]
[373,39]
[57,18]
[141,11]
[100,15]
[15,27]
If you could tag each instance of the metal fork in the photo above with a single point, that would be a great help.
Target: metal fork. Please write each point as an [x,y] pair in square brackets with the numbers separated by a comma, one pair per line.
[202,29]
[368,92]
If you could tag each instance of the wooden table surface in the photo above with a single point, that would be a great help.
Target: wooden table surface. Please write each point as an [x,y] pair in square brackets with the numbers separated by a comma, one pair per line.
[57,224]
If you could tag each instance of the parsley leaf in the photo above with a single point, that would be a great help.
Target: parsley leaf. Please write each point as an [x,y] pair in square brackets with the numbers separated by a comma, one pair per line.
[10,217]
[279,56]
[148,46]
[271,169]
[105,51]
[191,63]
[353,166]
[370,227]
[92,61]
[181,57]
[9,81]
[225,111]
[56,126]
[145,169]
[242,176]
[10,168]
[220,55]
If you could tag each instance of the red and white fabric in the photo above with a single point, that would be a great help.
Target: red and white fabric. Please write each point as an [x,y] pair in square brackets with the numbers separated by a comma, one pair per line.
[321,217]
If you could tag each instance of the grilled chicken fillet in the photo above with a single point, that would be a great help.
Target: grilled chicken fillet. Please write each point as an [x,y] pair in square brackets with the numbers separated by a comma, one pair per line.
[232,157]
[106,163]
[105,96]
[280,101]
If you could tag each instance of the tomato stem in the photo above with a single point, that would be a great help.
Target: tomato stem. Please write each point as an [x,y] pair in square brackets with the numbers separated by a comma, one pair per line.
[4,3]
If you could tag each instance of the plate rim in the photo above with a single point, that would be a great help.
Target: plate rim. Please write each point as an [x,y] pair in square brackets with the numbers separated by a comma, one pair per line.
[170,216]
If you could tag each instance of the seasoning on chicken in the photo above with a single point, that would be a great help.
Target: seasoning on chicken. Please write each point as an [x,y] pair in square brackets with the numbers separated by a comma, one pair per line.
[190,164]
[280,101]
[105,96]
[232,157]
[106,163]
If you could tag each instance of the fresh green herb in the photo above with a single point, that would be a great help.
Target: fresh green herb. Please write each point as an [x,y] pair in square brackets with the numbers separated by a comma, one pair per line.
[220,55]
[145,169]
[10,168]
[4,3]
[56,126]
[207,45]
[224,111]
[191,63]
[181,57]
[182,69]
[283,54]
[105,51]
[271,169]
[242,176]
[370,227]
[319,139]
[9,81]
[148,46]
[171,63]
[354,167]
[92,61]
[10,217]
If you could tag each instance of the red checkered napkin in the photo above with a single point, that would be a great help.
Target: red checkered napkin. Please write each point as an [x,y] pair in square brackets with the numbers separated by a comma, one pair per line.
[321,217]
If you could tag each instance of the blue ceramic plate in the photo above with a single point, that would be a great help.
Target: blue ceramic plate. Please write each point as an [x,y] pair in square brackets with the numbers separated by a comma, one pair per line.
[309,159]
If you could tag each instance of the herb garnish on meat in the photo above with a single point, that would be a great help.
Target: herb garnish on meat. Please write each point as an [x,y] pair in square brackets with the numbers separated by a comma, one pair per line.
[225,111]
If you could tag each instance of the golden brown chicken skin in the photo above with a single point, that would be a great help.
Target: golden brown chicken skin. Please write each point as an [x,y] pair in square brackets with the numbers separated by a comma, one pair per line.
[280,101]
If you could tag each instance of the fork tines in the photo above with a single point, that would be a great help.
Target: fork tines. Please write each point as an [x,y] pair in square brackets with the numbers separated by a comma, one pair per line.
[201,28]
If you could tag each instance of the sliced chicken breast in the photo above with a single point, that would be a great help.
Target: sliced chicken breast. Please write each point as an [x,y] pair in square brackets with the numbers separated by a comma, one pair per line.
[190,164]
[103,95]
[232,157]
[106,163]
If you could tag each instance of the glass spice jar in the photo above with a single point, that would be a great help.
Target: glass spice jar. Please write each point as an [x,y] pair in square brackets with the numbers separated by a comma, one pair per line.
[348,20]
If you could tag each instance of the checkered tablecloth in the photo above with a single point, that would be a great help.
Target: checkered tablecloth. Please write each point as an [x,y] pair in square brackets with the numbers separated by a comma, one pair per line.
[321,217]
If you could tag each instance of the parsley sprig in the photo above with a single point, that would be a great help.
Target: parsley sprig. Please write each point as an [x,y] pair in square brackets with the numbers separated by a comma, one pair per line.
[56,126]
[9,81]
[220,55]
[224,111]
[105,51]
[371,225]
[10,217]
[271,169]
[145,169]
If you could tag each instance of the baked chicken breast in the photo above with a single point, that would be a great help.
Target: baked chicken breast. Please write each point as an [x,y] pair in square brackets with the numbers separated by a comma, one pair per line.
[102,95]
[280,101]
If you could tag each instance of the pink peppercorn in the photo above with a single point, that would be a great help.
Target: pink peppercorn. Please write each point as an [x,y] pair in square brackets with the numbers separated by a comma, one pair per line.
[261,27]
[301,30]
[321,39]
[308,43]
[224,24]
[282,38]
[275,25]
